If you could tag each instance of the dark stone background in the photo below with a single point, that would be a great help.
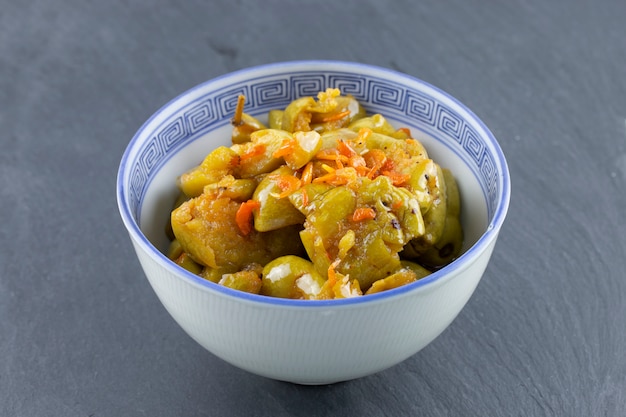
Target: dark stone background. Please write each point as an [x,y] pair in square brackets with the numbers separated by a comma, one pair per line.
[82,333]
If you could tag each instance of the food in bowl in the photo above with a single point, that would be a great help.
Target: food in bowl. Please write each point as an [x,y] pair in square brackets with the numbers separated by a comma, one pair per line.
[311,341]
[324,202]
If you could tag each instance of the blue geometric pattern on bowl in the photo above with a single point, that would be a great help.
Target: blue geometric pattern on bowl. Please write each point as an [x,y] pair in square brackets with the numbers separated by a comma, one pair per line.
[276,91]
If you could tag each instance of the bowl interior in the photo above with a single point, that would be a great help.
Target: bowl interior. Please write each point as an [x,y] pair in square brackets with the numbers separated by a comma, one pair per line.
[178,137]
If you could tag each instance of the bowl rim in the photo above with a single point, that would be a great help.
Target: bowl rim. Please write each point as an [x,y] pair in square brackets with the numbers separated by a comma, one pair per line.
[434,279]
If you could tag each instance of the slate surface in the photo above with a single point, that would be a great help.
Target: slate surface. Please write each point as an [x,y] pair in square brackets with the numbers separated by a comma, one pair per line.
[81,332]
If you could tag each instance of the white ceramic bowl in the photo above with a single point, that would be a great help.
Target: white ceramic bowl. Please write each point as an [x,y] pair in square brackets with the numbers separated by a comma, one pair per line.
[312,342]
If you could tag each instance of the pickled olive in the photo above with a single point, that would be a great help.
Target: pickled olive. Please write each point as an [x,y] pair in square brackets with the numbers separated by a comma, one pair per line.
[220,162]
[291,277]
[314,247]
[243,124]
[418,269]
[378,124]
[302,199]
[275,119]
[207,230]
[175,249]
[248,281]
[346,110]
[168,226]
[275,211]
[435,217]
[370,259]
[398,279]
[330,139]
[452,193]
[215,274]
[185,261]
[419,183]
[297,115]
[230,187]
[330,210]
[395,201]
[298,151]
[241,133]
[447,248]
[331,111]
[257,156]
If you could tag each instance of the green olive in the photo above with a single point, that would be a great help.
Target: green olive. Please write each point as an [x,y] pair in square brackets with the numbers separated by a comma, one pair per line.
[230,187]
[185,261]
[447,248]
[418,269]
[274,212]
[395,280]
[435,217]
[218,163]
[242,131]
[291,277]
[275,119]
[246,280]
[257,156]
[297,115]
[452,193]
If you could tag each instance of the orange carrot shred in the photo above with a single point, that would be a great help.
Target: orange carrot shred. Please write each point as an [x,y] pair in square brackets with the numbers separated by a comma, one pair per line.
[397,179]
[332,275]
[244,214]
[286,148]
[396,204]
[363,213]
[335,116]
[287,184]
[406,130]
[345,149]
[307,174]
[256,150]
[305,198]
[234,161]
[357,161]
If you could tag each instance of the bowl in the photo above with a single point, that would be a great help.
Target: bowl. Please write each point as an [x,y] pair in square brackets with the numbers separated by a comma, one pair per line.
[304,341]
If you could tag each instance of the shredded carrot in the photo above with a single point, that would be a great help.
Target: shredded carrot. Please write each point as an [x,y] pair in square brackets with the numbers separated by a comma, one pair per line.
[338,177]
[375,159]
[329,178]
[331,155]
[345,149]
[363,171]
[363,213]
[332,274]
[234,161]
[307,174]
[334,116]
[397,179]
[244,214]
[305,197]
[396,204]
[364,134]
[287,147]
[357,161]
[256,150]
[411,141]
[287,184]
[406,130]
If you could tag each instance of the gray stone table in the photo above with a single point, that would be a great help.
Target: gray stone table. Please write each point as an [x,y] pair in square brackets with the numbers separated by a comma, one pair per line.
[81,331]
